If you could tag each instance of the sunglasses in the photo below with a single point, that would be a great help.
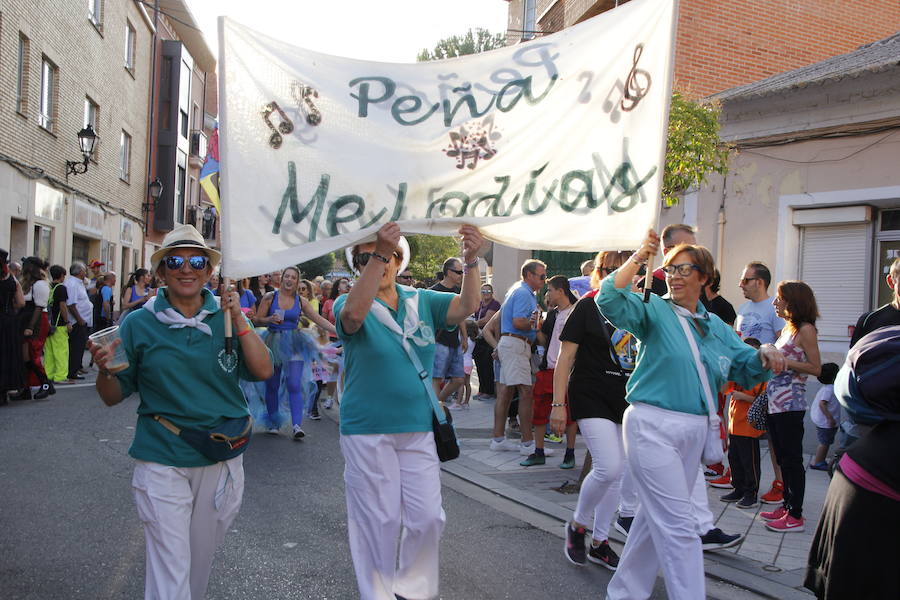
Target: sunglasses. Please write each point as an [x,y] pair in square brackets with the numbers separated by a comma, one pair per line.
[486,291]
[455,271]
[362,259]
[175,263]
[404,276]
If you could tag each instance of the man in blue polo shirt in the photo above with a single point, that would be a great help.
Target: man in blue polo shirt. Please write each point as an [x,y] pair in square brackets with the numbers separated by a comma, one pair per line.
[518,327]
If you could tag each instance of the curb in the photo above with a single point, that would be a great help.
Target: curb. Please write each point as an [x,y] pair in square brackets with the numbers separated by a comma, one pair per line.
[721,567]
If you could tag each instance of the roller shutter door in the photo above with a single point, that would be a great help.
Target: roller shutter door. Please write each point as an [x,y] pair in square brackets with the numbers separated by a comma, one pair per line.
[834,263]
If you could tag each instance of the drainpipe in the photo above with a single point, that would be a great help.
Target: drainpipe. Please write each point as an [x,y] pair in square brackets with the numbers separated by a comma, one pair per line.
[720,250]
[152,123]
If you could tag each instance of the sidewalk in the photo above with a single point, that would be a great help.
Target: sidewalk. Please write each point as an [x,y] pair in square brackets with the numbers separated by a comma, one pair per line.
[770,563]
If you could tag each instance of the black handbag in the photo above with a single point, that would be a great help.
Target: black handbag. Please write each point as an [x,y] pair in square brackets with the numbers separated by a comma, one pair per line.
[218,444]
[445,437]
[758,411]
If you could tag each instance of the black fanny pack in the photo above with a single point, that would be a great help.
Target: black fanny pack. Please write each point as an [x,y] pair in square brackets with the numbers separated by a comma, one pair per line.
[218,444]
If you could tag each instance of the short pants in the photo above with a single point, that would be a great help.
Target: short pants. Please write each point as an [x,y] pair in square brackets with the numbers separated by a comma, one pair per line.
[825,435]
[543,398]
[448,362]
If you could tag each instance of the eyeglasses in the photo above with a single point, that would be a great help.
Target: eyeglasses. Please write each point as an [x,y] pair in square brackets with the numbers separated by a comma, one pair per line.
[404,276]
[684,269]
[543,276]
[486,291]
[458,272]
[175,263]
[745,280]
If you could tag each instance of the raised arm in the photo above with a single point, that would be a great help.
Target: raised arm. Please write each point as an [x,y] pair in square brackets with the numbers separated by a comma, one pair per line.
[362,294]
[467,301]
[313,315]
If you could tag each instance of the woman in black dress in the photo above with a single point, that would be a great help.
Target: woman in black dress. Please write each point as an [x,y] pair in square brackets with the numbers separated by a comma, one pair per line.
[11,300]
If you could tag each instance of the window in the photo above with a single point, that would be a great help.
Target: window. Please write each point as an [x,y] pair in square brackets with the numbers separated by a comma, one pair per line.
[125,157]
[95,12]
[179,194]
[129,46]
[529,20]
[49,78]
[92,117]
[43,241]
[22,76]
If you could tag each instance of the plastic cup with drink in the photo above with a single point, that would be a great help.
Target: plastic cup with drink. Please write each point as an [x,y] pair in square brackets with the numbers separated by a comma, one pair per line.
[279,315]
[106,338]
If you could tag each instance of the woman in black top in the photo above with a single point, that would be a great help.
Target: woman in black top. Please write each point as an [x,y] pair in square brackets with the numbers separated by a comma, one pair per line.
[12,374]
[594,361]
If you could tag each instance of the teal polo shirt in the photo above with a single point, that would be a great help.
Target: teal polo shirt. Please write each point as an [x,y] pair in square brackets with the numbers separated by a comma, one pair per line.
[183,375]
[382,389]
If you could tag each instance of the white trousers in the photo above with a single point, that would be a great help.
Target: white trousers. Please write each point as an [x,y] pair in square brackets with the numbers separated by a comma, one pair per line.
[700,503]
[663,449]
[628,498]
[186,512]
[599,493]
[393,487]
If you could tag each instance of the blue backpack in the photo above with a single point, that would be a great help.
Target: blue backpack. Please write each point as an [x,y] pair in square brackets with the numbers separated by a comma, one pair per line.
[868,385]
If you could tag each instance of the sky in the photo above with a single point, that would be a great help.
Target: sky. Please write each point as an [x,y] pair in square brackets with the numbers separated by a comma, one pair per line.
[380,30]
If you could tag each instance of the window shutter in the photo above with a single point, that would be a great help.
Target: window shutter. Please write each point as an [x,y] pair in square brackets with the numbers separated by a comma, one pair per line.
[834,263]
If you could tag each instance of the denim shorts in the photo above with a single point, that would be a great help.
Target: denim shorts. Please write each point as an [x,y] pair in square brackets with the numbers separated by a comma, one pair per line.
[448,362]
[825,435]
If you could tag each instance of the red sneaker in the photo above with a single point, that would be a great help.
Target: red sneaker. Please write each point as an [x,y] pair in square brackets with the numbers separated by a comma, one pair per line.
[774,515]
[715,470]
[723,482]
[787,524]
[775,495]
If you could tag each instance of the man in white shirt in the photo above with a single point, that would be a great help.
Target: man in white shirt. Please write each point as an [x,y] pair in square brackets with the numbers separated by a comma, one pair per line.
[81,316]
[756,318]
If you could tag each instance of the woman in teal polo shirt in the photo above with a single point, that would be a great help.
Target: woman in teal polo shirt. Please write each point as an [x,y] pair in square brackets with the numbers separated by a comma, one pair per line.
[178,365]
[665,426]
[392,473]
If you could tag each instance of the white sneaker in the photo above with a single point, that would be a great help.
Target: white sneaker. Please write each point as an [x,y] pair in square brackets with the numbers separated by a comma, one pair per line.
[328,402]
[272,431]
[504,445]
[528,449]
[298,433]
[456,407]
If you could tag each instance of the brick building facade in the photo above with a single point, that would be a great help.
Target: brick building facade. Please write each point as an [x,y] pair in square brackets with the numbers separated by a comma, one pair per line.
[726,44]
[60,69]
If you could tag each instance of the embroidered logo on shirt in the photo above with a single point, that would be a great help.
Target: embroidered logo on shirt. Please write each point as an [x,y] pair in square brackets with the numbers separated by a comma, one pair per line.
[227,361]
[724,366]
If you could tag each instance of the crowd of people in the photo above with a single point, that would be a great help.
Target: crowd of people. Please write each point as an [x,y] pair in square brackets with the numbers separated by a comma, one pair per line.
[658,384]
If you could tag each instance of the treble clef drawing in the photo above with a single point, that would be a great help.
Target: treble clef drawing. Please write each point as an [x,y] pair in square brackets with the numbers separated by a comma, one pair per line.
[637,84]
[303,95]
[285,126]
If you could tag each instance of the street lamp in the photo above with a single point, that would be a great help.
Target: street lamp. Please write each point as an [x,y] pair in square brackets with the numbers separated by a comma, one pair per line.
[154,190]
[87,139]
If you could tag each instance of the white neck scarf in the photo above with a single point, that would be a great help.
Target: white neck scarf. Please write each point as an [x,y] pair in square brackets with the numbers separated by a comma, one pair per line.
[176,320]
[413,329]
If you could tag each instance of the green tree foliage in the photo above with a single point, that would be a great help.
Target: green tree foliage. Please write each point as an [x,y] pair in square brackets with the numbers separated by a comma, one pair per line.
[317,266]
[693,148]
[429,252]
[481,40]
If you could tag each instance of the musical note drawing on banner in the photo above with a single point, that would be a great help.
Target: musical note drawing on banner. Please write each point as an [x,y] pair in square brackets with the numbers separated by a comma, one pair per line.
[473,142]
[285,126]
[637,84]
[303,95]
[610,105]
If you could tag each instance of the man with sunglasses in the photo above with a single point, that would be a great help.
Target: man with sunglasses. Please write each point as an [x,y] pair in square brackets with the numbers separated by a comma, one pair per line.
[518,329]
[405,278]
[449,344]
[756,318]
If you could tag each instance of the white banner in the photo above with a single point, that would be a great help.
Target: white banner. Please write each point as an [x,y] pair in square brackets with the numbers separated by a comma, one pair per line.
[555,143]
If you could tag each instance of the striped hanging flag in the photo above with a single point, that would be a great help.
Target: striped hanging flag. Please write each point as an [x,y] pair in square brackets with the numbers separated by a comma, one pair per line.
[209,174]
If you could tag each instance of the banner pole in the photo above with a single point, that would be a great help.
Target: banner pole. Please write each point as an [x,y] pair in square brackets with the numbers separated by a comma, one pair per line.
[648,276]
[229,339]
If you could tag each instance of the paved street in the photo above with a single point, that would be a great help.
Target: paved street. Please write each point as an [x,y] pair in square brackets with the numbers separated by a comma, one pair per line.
[70,529]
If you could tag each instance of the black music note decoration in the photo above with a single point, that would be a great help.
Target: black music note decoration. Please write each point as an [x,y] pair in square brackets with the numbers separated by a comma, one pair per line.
[303,95]
[637,84]
[285,126]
